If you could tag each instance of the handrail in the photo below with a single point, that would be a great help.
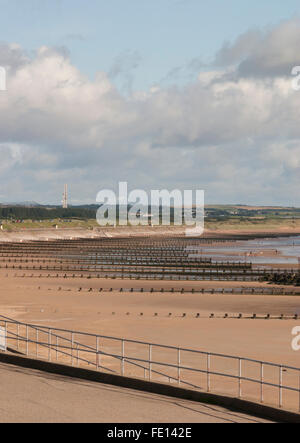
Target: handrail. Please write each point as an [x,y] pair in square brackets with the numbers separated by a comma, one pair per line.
[74,344]
[149,344]
[127,359]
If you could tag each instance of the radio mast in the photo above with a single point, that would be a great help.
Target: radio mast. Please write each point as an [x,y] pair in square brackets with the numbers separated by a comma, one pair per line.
[65,198]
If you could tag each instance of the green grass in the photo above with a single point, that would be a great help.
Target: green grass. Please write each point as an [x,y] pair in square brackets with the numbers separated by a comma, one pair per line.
[48,224]
[269,222]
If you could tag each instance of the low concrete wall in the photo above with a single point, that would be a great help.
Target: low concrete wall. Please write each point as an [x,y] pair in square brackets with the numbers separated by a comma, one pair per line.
[235,404]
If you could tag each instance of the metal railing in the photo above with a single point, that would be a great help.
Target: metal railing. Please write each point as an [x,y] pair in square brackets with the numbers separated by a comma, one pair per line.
[259,381]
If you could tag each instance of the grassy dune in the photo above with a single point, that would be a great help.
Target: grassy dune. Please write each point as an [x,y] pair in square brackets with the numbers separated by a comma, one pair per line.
[264,224]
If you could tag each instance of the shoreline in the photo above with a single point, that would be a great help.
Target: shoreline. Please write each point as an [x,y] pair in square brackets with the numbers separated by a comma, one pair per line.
[49,234]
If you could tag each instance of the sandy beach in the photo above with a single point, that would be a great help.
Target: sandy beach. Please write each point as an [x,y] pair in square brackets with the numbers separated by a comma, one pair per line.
[59,304]
[118,308]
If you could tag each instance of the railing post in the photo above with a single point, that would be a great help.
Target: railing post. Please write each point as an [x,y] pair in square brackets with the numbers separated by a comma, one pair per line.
[280,386]
[240,377]
[97,354]
[49,344]
[27,338]
[18,334]
[150,361]
[262,382]
[72,346]
[179,363]
[208,372]
[5,336]
[123,356]
[37,342]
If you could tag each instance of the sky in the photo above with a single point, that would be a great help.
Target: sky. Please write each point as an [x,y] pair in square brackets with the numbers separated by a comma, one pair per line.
[163,94]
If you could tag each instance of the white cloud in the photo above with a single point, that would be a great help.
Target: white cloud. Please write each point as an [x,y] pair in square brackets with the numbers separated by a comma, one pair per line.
[272,52]
[234,129]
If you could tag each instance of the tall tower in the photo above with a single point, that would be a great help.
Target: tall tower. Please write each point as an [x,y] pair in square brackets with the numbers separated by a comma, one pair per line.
[65,198]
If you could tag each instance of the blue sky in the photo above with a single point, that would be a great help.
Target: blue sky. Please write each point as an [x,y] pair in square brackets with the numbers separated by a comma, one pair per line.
[184,94]
[165,34]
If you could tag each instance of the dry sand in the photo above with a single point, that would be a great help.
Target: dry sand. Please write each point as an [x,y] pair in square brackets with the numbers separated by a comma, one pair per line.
[106,313]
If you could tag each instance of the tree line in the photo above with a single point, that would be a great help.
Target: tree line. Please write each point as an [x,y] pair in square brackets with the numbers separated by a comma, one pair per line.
[42,213]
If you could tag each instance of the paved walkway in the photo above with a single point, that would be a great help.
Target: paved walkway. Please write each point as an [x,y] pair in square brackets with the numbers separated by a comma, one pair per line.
[32,396]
